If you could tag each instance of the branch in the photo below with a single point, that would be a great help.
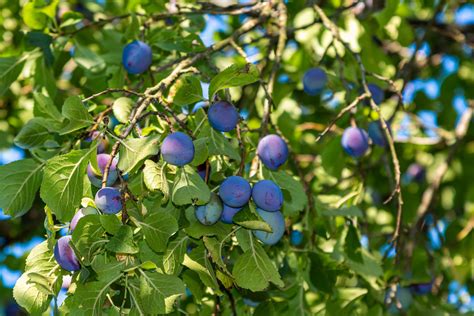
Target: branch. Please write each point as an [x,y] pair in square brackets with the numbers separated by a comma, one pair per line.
[112,90]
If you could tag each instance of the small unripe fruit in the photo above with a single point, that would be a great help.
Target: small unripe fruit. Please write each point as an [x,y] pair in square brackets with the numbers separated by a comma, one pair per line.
[96,178]
[223,116]
[177,149]
[272,151]
[267,195]
[80,214]
[314,81]
[210,213]
[355,141]
[108,200]
[276,222]
[136,57]
[235,191]
[228,213]
[64,254]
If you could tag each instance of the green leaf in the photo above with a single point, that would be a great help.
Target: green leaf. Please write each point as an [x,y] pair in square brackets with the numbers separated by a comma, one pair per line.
[218,144]
[10,69]
[186,91]
[154,176]
[197,230]
[233,76]
[88,236]
[45,107]
[134,151]
[111,223]
[174,254]
[33,134]
[189,188]
[352,245]
[43,41]
[19,182]
[170,40]
[122,242]
[105,265]
[253,270]
[158,227]
[75,111]
[34,289]
[63,182]
[87,59]
[198,261]
[297,200]
[122,108]
[326,210]
[214,247]
[201,152]
[323,272]
[34,18]
[251,220]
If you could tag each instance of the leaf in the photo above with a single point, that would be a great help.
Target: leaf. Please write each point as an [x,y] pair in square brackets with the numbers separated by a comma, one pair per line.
[198,262]
[19,182]
[352,245]
[154,176]
[197,230]
[33,134]
[122,242]
[158,227]
[155,287]
[218,144]
[34,18]
[111,223]
[323,272]
[215,249]
[77,114]
[34,289]
[233,76]
[133,151]
[106,265]
[44,75]
[10,69]
[251,220]
[186,91]
[298,199]
[189,188]
[326,210]
[174,254]
[88,236]
[253,270]
[45,107]
[201,152]
[171,40]
[63,182]
[87,59]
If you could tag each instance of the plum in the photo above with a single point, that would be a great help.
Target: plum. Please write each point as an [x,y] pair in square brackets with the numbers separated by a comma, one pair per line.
[377,134]
[209,213]
[272,151]
[201,170]
[108,200]
[378,94]
[177,149]
[96,178]
[415,172]
[421,288]
[80,214]
[267,195]
[223,116]
[276,222]
[137,57]
[355,141]
[296,237]
[235,191]
[314,81]
[103,141]
[65,256]
[228,213]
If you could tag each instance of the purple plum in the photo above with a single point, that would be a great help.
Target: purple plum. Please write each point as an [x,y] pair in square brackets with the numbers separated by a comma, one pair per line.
[210,213]
[378,94]
[355,141]
[267,195]
[228,213]
[65,256]
[108,200]
[272,151]
[137,57]
[276,222]
[235,191]
[177,149]
[80,214]
[223,116]
[314,81]
[415,172]
[377,134]
[96,178]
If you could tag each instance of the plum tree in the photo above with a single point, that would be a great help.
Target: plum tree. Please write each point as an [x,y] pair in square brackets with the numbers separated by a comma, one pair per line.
[314,81]
[376,133]
[108,200]
[235,191]
[136,57]
[267,195]
[228,213]
[276,222]
[272,151]
[96,177]
[378,94]
[64,254]
[223,116]
[355,141]
[209,213]
[80,214]
[177,149]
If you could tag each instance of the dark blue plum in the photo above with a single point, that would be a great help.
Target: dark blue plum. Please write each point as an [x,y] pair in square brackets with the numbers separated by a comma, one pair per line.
[421,288]
[80,214]
[267,195]
[415,172]
[377,134]
[223,116]
[108,200]
[96,178]
[136,57]
[201,169]
[272,151]
[314,81]
[65,256]
[276,222]
[228,213]
[378,94]
[296,237]
[355,141]
[210,213]
[235,191]
[177,149]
